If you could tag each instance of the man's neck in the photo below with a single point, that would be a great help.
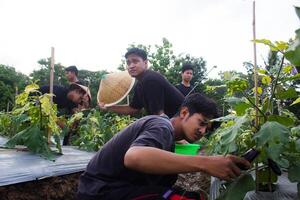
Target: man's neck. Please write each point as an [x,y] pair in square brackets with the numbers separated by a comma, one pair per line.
[140,76]
[186,83]
[74,80]
[175,121]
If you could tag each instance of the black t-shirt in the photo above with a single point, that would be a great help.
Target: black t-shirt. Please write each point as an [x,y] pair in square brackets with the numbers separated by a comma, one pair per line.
[183,89]
[155,93]
[60,97]
[106,170]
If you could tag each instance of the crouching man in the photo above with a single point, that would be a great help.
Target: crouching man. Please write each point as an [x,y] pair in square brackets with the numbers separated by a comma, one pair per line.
[139,162]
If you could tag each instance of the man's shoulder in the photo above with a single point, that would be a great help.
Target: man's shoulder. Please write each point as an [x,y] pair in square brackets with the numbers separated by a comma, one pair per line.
[178,85]
[150,75]
[157,120]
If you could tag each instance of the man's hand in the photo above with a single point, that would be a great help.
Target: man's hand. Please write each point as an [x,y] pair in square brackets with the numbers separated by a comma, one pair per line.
[102,106]
[225,167]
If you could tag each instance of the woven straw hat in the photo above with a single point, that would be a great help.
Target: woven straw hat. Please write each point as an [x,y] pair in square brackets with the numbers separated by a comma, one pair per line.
[86,89]
[114,88]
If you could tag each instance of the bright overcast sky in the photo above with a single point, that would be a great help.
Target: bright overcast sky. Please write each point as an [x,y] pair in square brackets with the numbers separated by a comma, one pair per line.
[94,34]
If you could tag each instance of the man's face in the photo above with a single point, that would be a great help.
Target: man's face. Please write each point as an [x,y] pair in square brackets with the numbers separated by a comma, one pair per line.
[75,96]
[70,75]
[194,127]
[136,65]
[187,75]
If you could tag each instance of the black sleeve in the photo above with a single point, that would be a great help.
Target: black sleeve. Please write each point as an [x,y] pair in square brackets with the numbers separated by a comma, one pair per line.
[137,101]
[158,137]
[154,95]
[44,89]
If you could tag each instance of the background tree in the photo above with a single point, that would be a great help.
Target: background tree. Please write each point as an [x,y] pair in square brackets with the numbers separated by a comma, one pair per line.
[43,74]
[10,83]
[216,89]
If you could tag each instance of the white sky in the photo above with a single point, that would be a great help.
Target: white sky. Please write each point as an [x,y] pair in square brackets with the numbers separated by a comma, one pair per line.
[94,34]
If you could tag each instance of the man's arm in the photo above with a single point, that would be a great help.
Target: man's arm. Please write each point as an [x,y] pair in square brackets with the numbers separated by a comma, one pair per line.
[120,109]
[156,161]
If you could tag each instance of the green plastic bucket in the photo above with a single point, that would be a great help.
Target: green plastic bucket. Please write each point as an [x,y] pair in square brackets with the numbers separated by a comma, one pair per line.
[187,149]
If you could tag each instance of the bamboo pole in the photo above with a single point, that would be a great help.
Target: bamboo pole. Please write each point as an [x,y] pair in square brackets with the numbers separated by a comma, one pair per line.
[255,91]
[51,87]
[51,73]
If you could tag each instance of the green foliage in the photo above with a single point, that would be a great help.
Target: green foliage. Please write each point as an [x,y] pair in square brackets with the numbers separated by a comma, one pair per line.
[10,83]
[30,121]
[97,128]
[11,124]
[43,74]
[293,52]
[276,133]
[216,89]
[238,189]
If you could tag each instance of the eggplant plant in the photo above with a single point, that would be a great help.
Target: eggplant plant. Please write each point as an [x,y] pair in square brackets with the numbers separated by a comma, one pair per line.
[94,130]
[31,121]
[276,133]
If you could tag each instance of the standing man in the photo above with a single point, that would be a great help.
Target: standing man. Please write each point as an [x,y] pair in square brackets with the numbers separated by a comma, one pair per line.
[152,91]
[71,73]
[139,162]
[186,76]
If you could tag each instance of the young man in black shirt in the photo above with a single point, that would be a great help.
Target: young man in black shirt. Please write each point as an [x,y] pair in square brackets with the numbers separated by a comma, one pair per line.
[152,91]
[71,73]
[139,162]
[185,86]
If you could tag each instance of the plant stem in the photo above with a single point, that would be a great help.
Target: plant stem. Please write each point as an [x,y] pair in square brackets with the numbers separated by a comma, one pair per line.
[273,88]
[253,104]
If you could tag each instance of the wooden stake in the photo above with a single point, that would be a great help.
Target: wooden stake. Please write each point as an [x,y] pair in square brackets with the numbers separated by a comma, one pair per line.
[51,73]
[255,92]
[51,88]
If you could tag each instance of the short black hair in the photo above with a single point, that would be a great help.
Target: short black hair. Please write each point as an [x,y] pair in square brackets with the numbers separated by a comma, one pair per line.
[187,66]
[72,69]
[198,103]
[137,51]
[75,87]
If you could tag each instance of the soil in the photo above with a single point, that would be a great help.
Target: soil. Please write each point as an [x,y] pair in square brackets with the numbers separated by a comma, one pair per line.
[54,188]
[194,182]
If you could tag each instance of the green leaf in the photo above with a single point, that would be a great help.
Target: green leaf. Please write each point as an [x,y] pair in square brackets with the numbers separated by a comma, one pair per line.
[297,144]
[31,88]
[281,45]
[33,138]
[266,80]
[272,132]
[232,101]
[296,101]
[287,94]
[286,121]
[262,71]
[297,9]
[241,108]
[238,189]
[293,52]
[287,69]
[295,131]
[294,173]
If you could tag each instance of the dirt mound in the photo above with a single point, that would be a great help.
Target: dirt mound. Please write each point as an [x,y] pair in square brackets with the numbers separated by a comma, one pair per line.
[54,188]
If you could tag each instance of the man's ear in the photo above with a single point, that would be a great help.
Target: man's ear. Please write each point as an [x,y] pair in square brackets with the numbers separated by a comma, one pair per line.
[184,111]
[146,63]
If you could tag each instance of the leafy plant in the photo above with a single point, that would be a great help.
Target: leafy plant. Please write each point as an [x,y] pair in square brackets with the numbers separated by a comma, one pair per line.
[97,128]
[30,122]
[275,133]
